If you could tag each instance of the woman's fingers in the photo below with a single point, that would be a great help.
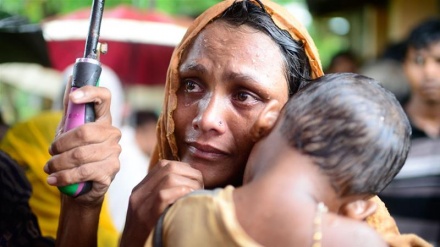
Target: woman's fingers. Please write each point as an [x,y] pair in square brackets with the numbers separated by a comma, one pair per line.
[100,96]
[81,155]
[78,155]
[163,170]
[170,195]
[84,135]
[101,172]
[163,185]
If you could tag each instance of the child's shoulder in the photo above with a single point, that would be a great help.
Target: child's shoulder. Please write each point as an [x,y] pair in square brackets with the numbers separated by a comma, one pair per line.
[342,231]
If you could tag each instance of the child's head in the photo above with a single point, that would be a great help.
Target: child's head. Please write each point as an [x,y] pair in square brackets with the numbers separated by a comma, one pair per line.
[352,128]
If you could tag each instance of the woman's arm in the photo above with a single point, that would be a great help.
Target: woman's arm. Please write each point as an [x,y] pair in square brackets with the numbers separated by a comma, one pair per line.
[78,224]
[89,152]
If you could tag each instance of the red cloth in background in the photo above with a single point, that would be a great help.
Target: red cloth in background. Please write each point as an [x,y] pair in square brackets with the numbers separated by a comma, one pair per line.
[134,63]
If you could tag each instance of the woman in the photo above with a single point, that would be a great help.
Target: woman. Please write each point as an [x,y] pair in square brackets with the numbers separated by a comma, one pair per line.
[226,70]
[216,109]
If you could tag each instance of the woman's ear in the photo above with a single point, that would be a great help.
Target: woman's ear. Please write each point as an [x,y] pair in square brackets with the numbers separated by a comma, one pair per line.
[266,120]
[359,209]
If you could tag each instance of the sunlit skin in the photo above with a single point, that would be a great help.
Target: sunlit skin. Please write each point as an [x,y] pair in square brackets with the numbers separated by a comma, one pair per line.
[227,78]
[422,67]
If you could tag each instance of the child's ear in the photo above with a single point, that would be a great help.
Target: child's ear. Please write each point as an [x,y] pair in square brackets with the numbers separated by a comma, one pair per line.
[359,209]
[266,120]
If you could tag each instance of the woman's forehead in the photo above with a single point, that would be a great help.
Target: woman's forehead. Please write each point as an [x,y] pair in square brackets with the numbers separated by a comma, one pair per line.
[243,43]
[227,34]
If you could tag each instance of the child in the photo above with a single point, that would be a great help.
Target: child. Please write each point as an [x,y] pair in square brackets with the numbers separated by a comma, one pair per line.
[336,144]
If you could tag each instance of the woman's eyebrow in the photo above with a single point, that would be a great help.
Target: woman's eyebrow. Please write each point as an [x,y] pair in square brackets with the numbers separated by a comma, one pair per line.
[193,67]
[229,76]
[233,76]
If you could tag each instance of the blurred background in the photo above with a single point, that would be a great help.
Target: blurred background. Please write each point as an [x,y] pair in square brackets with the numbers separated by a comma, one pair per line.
[39,39]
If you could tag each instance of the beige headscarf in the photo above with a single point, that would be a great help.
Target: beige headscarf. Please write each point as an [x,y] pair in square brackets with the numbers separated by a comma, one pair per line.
[166,147]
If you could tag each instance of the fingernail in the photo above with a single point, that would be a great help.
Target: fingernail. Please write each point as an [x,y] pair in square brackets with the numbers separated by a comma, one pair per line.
[46,169]
[77,94]
[51,180]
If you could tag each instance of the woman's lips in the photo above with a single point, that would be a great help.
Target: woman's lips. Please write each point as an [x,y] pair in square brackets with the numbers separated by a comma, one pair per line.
[203,151]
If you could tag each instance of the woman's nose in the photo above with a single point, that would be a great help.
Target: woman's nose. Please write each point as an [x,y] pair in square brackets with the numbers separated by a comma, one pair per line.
[211,116]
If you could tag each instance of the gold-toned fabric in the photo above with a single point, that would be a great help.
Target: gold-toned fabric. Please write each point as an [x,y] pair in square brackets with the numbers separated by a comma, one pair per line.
[28,144]
[167,148]
[210,215]
[383,223]
[407,240]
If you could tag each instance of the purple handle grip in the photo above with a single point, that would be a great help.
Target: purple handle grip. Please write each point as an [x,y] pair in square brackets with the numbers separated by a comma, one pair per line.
[75,115]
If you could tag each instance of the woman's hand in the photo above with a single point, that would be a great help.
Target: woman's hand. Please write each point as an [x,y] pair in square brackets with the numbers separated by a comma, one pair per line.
[89,152]
[163,185]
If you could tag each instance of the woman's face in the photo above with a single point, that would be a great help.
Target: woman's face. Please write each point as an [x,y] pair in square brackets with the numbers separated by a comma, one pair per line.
[227,76]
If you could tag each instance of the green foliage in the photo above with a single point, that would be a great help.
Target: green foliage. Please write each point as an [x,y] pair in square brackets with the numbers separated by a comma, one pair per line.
[36,10]
[185,7]
[192,7]
[327,42]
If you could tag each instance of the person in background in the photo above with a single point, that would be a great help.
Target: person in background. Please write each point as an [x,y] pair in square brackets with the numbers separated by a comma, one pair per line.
[145,128]
[343,61]
[18,225]
[388,70]
[413,198]
[331,149]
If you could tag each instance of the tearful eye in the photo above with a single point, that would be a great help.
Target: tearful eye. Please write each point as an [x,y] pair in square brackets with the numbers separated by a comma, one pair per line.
[191,86]
[245,97]
[242,96]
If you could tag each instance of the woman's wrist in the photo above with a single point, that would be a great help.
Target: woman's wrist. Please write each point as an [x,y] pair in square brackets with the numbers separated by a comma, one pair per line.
[78,223]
